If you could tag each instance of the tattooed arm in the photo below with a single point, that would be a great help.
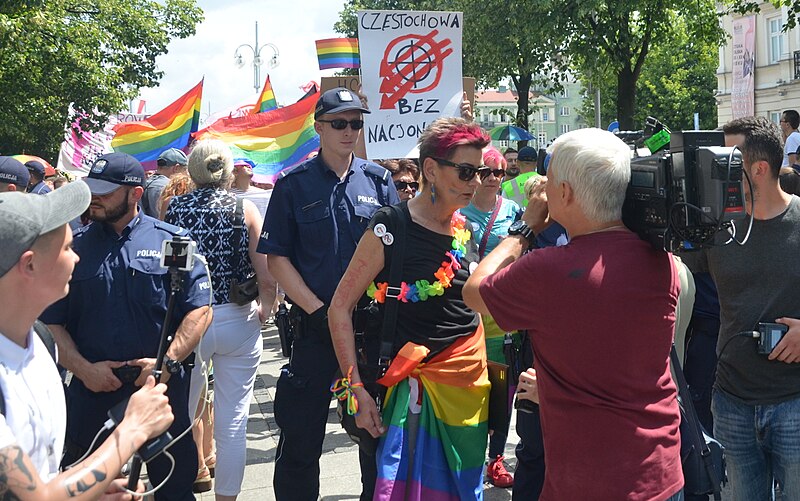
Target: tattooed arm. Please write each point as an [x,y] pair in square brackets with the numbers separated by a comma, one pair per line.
[148,414]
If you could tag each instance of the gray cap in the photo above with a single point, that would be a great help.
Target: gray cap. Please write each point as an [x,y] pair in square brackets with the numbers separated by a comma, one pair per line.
[173,156]
[24,218]
[13,172]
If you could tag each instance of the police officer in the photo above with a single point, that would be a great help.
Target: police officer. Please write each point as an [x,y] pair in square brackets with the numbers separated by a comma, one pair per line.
[36,184]
[13,175]
[109,324]
[316,216]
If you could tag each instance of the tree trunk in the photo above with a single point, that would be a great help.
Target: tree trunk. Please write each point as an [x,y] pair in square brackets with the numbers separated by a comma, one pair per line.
[626,97]
[523,86]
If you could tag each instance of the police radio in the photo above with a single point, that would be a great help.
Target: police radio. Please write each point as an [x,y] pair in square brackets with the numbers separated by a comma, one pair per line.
[178,253]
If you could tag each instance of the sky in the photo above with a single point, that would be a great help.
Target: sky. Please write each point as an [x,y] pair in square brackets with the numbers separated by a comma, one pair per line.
[291,25]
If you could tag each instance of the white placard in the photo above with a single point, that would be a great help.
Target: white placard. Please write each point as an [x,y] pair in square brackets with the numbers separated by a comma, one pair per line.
[411,75]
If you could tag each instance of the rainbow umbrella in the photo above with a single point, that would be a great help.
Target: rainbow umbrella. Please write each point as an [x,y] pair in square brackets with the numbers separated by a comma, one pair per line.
[510,133]
[48,169]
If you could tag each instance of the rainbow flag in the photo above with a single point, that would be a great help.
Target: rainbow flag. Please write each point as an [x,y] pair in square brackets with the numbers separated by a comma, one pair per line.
[450,447]
[266,101]
[274,140]
[169,128]
[338,53]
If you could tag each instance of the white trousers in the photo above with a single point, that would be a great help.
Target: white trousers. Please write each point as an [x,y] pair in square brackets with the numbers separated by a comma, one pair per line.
[233,343]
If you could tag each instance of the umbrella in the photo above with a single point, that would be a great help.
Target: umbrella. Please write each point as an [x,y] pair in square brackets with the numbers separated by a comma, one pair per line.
[48,169]
[510,133]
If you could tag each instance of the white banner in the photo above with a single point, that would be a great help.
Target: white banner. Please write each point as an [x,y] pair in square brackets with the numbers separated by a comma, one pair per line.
[80,148]
[411,75]
[744,67]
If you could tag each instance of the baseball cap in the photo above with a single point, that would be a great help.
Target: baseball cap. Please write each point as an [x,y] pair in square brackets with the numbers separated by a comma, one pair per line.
[173,156]
[338,100]
[35,166]
[113,170]
[526,154]
[24,218]
[243,162]
[13,172]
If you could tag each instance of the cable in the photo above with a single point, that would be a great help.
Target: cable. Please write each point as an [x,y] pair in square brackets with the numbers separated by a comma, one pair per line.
[752,207]
[108,425]
[154,489]
[747,334]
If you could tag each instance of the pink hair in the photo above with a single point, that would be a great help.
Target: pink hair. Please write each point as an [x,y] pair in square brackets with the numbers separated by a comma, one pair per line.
[493,158]
[467,134]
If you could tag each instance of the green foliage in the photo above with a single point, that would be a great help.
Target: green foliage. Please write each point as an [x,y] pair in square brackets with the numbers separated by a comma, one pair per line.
[751,6]
[95,55]
[677,80]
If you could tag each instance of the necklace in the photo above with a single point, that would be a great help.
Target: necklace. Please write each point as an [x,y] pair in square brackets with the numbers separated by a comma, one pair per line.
[421,290]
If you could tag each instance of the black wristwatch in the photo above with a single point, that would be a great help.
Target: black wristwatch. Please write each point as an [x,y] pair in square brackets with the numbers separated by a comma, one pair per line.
[520,228]
[173,366]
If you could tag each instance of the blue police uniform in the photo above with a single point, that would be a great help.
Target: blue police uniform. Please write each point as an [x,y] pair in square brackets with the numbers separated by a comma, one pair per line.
[40,189]
[316,220]
[114,311]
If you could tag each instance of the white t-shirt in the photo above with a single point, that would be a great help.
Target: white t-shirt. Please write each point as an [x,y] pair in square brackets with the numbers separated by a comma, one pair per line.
[790,148]
[36,416]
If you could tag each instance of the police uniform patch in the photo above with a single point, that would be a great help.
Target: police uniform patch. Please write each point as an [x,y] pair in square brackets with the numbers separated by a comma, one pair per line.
[99,166]
[345,96]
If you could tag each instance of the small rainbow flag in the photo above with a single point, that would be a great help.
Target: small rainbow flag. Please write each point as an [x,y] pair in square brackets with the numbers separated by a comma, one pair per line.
[169,128]
[338,53]
[275,140]
[266,101]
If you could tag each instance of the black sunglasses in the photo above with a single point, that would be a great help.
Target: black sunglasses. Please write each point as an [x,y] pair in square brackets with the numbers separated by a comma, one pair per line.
[466,172]
[341,123]
[401,185]
[498,173]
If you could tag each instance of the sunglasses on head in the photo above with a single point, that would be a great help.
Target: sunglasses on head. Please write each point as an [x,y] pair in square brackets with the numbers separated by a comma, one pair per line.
[466,172]
[341,123]
[402,185]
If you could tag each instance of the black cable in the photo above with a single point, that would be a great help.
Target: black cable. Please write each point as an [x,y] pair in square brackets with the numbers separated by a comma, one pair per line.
[748,334]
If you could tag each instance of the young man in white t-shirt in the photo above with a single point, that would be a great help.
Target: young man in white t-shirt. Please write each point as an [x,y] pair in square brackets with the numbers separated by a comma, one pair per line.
[36,263]
[790,121]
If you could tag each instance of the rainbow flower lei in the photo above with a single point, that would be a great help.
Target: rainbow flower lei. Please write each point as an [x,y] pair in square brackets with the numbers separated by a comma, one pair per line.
[421,290]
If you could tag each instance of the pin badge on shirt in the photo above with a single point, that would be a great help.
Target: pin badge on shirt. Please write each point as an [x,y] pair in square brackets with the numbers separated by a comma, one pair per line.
[388,239]
[379,230]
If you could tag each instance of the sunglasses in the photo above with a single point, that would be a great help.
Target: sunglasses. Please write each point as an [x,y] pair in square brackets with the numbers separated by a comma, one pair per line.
[466,172]
[402,185]
[341,123]
[498,173]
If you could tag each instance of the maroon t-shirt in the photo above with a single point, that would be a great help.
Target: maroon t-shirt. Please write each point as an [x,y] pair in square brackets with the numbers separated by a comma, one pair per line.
[600,312]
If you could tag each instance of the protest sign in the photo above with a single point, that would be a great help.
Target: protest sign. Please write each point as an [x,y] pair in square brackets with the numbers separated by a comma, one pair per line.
[411,75]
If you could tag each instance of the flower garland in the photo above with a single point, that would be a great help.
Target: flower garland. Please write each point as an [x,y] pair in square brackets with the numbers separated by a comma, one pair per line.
[421,290]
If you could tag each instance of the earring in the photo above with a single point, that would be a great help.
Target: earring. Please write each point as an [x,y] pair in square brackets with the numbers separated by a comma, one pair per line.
[433,193]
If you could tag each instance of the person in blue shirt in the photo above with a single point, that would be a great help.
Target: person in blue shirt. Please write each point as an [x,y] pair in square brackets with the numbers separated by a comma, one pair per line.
[36,184]
[318,213]
[113,314]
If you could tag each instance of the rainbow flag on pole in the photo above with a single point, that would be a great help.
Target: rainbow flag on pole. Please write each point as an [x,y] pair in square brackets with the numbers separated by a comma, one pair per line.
[338,53]
[275,140]
[169,128]
[266,101]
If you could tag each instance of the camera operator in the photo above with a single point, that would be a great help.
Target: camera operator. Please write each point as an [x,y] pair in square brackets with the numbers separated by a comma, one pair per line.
[36,260]
[109,326]
[756,398]
[601,328]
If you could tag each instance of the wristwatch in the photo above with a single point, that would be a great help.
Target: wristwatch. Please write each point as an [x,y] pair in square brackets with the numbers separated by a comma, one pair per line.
[173,366]
[520,228]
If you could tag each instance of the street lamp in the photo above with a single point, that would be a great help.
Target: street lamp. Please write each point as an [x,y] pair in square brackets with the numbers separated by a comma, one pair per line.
[258,60]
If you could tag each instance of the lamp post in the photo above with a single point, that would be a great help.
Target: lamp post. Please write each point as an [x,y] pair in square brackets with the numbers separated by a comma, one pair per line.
[238,60]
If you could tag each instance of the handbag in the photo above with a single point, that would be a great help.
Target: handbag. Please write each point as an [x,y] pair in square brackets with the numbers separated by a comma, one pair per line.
[374,347]
[246,291]
[702,457]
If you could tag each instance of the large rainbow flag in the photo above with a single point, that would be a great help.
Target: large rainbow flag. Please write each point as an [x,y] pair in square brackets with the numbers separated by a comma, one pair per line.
[169,128]
[266,101]
[275,140]
[338,53]
[450,447]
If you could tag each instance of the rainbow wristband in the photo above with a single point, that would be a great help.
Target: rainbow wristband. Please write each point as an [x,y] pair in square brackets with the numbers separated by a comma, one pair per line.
[342,389]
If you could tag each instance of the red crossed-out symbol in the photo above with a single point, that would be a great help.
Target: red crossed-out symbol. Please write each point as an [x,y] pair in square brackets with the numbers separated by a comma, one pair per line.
[411,64]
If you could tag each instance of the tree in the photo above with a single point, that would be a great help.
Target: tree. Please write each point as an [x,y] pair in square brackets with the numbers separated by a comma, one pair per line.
[678,79]
[92,55]
[501,41]
[618,35]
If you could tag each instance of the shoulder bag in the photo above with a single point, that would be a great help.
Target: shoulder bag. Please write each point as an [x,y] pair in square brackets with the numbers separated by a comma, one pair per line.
[246,291]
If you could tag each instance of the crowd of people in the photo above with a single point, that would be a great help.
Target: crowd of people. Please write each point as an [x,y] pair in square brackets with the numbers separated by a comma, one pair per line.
[407,279]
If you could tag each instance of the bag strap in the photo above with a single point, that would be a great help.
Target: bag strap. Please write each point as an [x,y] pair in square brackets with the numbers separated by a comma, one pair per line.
[696,432]
[388,332]
[488,230]
[238,227]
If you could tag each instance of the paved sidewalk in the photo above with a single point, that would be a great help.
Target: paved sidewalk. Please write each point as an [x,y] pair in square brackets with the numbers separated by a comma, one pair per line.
[340,477]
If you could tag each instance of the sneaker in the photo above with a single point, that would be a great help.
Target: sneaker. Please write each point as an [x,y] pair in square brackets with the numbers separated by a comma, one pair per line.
[497,474]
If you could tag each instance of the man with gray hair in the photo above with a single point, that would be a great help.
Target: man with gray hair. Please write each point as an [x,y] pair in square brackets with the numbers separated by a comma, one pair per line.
[601,328]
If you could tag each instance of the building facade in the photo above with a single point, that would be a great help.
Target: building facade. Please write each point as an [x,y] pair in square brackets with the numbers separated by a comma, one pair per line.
[776,66]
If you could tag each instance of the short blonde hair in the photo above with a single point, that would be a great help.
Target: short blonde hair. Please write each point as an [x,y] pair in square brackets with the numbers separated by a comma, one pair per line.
[211,164]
